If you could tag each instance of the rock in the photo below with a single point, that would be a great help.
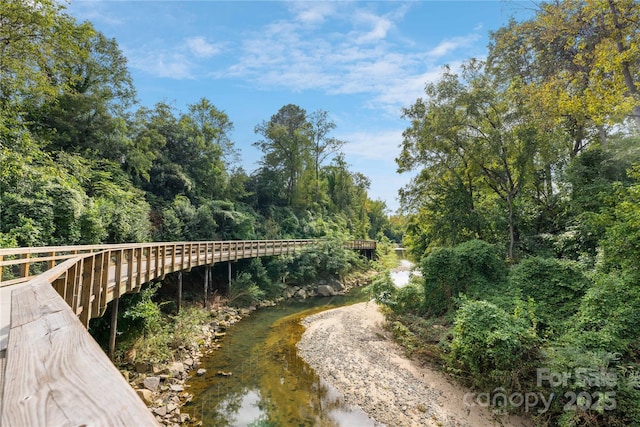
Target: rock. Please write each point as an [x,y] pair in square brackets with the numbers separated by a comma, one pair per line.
[125,374]
[336,284]
[219,334]
[184,418]
[171,407]
[188,362]
[176,387]
[224,374]
[326,290]
[176,368]
[302,294]
[161,411]
[145,395]
[201,372]
[151,383]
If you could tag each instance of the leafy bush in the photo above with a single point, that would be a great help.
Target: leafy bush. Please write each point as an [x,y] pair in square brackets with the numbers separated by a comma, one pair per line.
[555,285]
[327,259]
[474,268]
[492,347]
[608,318]
[244,291]
[145,311]
[409,299]
[382,289]
[609,386]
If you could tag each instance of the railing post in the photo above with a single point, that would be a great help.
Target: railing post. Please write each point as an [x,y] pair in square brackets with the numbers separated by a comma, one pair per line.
[113,331]
[173,258]
[179,290]
[24,268]
[51,263]
[88,274]
[118,278]
[130,269]
[206,285]
[139,269]
[98,296]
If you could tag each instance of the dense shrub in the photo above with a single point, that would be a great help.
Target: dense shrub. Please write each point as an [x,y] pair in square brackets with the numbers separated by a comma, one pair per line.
[491,347]
[474,268]
[383,290]
[556,286]
[608,387]
[409,299]
[608,318]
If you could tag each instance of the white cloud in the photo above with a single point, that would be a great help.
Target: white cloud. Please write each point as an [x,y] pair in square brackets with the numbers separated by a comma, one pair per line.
[447,46]
[312,12]
[160,63]
[359,53]
[201,48]
[380,26]
[377,145]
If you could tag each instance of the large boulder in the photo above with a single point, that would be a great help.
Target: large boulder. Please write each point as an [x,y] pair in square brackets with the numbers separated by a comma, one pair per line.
[336,284]
[326,291]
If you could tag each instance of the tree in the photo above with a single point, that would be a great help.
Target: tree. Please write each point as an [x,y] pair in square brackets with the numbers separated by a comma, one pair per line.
[36,40]
[89,115]
[473,131]
[286,145]
[323,145]
[577,62]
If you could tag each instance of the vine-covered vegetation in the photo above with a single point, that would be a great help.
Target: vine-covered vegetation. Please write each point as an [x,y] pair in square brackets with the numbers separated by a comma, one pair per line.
[524,218]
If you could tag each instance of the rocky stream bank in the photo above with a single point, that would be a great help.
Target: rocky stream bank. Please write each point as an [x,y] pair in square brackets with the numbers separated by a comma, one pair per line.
[163,387]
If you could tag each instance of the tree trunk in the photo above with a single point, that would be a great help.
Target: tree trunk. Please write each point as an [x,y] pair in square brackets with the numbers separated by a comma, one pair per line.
[626,68]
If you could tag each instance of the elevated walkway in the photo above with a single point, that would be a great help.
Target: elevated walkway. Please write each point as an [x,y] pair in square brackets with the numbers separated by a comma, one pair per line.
[52,372]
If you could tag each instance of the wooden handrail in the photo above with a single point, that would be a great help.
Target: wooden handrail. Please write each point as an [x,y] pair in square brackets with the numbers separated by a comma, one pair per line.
[56,374]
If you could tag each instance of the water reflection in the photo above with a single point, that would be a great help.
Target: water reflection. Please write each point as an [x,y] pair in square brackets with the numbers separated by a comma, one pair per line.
[402,274]
[269,385]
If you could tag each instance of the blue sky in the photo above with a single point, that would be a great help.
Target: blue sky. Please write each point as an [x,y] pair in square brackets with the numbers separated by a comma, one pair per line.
[360,61]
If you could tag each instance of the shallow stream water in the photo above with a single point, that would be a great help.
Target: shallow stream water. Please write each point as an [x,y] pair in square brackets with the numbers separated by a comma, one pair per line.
[269,384]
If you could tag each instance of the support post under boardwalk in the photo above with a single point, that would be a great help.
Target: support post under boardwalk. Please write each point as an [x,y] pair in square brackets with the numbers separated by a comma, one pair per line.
[179,290]
[206,285]
[229,263]
[114,328]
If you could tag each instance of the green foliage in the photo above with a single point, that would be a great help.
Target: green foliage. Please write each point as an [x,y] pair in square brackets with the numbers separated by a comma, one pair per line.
[491,347]
[557,287]
[327,259]
[622,239]
[382,289]
[609,382]
[473,268]
[409,299]
[145,311]
[244,291]
[608,317]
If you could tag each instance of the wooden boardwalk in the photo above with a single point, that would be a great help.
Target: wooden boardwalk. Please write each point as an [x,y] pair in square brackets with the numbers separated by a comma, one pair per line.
[55,373]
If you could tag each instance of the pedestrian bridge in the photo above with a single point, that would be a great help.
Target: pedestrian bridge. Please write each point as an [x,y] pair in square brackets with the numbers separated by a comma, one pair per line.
[52,372]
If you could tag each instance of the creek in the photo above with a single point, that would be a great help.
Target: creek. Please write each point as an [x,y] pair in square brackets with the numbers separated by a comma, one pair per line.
[257,378]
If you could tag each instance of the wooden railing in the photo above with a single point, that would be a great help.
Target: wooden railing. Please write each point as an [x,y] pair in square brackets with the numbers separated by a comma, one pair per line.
[100,273]
[55,372]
